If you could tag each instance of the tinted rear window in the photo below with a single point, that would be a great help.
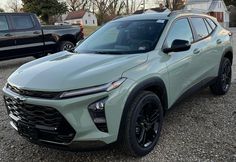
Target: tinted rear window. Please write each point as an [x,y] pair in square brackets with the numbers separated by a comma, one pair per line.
[208,26]
[200,27]
[22,22]
[212,24]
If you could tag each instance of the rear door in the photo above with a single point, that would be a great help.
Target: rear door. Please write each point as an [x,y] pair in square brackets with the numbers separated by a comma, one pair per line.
[28,34]
[205,53]
[7,42]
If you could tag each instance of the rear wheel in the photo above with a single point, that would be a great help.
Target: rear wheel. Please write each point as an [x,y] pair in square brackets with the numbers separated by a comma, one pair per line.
[143,124]
[66,46]
[223,81]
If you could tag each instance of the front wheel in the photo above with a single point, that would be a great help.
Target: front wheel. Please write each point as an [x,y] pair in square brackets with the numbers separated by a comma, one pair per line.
[223,81]
[143,124]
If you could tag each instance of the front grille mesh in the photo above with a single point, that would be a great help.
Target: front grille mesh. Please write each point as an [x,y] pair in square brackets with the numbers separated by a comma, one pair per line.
[50,124]
[35,115]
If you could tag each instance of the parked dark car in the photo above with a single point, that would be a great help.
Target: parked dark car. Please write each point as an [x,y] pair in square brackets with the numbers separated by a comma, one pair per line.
[22,35]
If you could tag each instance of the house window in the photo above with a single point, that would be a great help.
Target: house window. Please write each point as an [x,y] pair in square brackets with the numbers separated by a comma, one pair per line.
[93,22]
[86,21]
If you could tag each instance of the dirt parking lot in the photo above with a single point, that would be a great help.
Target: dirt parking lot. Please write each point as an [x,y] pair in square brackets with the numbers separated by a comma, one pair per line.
[200,128]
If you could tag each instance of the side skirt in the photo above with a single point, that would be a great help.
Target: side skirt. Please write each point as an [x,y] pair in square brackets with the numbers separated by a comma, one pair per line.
[199,86]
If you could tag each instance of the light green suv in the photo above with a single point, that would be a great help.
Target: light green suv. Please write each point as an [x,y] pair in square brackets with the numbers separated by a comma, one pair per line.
[118,83]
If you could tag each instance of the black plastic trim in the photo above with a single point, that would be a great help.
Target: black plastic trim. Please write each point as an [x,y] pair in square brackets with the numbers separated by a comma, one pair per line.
[203,84]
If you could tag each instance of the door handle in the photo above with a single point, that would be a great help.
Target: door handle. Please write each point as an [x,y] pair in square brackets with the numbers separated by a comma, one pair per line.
[218,41]
[8,35]
[196,51]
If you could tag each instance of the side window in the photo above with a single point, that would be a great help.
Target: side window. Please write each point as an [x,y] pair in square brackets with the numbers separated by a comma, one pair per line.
[208,26]
[180,30]
[212,24]
[22,22]
[3,23]
[200,27]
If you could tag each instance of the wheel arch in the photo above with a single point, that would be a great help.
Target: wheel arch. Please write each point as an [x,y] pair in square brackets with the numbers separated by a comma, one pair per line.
[228,53]
[155,85]
[68,37]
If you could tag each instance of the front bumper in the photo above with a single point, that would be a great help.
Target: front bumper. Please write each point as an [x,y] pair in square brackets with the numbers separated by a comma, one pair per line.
[75,112]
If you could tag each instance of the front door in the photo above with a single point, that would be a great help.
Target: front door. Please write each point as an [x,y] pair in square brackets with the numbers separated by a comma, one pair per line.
[179,63]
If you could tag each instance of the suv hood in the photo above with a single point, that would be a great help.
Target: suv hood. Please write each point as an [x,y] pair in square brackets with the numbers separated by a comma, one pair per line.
[67,71]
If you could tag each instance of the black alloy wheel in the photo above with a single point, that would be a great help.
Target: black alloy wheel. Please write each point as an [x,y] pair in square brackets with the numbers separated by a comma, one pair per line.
[143,123]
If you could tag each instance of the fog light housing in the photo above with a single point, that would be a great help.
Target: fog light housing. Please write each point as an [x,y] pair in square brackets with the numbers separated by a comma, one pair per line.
[97,113]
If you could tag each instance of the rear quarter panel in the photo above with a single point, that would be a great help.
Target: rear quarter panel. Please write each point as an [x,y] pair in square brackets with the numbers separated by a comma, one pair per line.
[224,47]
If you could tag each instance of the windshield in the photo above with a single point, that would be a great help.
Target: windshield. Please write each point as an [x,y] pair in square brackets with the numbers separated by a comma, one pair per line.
[124,37]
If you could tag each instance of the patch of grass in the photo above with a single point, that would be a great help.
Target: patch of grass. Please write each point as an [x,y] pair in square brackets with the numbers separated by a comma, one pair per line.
[89,30]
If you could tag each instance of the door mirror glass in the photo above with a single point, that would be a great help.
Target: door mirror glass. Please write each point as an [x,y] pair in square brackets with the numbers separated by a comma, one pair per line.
[178,45]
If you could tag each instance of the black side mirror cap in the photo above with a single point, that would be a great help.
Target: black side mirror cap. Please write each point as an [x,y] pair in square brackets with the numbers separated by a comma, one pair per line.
[178,46]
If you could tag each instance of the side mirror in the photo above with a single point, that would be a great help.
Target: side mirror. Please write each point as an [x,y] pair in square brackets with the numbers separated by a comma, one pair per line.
[178,46]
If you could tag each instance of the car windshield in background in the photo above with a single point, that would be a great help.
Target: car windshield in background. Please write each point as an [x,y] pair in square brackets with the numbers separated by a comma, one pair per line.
[124,37]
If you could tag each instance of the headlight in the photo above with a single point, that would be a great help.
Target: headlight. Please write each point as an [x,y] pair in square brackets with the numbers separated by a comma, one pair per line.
[97,89]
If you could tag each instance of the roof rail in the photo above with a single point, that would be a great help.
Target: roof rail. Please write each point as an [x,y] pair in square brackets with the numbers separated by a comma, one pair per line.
[197,11]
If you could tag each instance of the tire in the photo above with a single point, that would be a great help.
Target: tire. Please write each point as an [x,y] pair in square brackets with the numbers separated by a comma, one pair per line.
[66,46]
[39,55]
[140,136]
[223,82]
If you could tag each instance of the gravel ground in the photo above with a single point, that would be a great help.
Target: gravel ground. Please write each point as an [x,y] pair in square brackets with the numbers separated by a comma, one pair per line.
[200,128]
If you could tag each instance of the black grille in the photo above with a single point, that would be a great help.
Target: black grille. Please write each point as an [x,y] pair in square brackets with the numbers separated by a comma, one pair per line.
[48,122]
[37,94]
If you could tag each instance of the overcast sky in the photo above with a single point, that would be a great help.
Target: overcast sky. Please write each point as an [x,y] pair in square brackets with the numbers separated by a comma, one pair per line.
[3,3]
[149,3]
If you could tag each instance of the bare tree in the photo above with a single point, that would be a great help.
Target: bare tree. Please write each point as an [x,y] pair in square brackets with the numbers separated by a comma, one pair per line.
[133,5]
[116,7]
[174,4]
[75,5]
[14,5]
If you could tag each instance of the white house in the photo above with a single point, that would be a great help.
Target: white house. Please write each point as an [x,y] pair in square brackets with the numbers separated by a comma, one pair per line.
[81,17]
[216,8]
